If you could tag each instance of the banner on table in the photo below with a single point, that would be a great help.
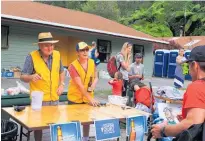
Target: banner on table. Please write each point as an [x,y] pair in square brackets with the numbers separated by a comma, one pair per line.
[136,127]
[107,129]
[67,131]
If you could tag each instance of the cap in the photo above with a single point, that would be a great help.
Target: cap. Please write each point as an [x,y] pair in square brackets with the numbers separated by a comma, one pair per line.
[197,54]
[81,45]
[138,55]
[93,42]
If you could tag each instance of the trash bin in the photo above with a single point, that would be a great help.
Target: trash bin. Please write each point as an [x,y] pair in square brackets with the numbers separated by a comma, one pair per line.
[9,130]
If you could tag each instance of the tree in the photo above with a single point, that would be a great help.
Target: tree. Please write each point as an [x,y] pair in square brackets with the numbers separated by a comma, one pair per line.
[194,19]
[149,20]
[106,9]
[157,18]
[129,7]
[76,5]
[179,13]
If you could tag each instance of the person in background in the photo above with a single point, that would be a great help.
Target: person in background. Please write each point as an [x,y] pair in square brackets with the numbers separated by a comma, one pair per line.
[44,71]
[136,73]
[193,107]
[117,84]
[83,81]
[179,76]
[123,61]
[93,53]
[141,91]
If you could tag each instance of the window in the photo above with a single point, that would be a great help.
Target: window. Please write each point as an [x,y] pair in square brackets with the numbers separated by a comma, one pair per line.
[137,49]
[104,49]
[4,37]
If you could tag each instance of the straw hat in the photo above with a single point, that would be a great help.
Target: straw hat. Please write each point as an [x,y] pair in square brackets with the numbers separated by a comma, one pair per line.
[46,37]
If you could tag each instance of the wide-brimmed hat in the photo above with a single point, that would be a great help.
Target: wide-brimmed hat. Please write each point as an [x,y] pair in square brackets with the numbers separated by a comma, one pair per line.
[82,45]
[46,37]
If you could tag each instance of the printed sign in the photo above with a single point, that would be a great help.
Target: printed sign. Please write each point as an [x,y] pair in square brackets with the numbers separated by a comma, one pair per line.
[169,112]
[107,129]
[67,131]
[136,127]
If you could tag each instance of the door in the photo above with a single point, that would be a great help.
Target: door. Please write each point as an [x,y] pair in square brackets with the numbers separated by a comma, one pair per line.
[138,49]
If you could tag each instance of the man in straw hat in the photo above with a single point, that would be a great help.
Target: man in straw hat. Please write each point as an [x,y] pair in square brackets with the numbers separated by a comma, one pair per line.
[44,71]
[193,108]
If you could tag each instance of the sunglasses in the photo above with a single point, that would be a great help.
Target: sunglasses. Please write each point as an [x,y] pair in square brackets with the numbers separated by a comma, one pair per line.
[83,50]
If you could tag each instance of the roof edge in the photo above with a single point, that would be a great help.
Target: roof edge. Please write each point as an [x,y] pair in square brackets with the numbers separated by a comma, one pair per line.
[79,28]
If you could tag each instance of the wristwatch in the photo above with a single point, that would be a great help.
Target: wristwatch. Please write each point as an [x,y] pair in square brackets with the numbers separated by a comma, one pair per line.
[163,132]
[62,83]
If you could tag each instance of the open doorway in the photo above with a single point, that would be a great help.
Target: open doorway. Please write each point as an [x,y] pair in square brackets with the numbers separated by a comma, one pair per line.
[138,49]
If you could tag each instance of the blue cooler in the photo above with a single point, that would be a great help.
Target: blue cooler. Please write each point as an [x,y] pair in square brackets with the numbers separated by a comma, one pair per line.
[9,74]
[186,54]
[160,62]
[172,63]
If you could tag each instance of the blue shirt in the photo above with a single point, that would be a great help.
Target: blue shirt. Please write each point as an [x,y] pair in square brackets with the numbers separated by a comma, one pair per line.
[29,67]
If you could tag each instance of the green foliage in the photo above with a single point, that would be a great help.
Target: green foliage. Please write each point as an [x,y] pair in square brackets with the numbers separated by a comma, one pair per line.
[157,18]
[193,19]
[150,20]
[107,9]
[154,29]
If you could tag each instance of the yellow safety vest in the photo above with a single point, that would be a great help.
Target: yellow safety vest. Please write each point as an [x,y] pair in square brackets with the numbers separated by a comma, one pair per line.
[74,93]
[50,79]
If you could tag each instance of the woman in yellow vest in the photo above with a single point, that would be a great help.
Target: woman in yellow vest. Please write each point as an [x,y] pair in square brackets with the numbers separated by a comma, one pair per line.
[44,71]
[83,81]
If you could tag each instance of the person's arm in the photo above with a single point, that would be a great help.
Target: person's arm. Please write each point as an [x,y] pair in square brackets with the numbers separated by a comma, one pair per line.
[95,80]
[96,53]
[131,74]
[124,64]
[194,98]
[194,116]
[61,79]
[27,72]
[77,80]
[142,75]
[180,60]
[110,82]
[135,76]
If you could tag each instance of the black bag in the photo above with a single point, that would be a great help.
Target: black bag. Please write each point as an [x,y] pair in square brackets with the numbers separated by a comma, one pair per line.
[193,133]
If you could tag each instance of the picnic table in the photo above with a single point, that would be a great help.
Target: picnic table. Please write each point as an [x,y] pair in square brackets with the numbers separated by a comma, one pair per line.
[41,119]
